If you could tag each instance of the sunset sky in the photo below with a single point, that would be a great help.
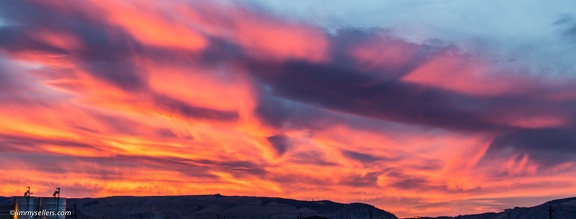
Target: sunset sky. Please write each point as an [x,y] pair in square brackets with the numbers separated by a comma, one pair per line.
[416,107]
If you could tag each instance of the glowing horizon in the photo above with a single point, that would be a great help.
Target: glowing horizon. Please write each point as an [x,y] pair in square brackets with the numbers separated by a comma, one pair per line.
[106,98]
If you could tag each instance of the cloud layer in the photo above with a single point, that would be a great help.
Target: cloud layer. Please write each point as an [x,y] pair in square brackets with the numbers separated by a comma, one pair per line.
[144,98]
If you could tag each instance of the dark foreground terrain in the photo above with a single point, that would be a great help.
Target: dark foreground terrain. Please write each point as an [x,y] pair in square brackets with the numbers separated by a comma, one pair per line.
[235,207]
[561,209]
[217,206]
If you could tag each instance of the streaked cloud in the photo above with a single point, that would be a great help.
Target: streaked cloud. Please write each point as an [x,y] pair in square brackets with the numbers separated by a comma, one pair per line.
[150,98]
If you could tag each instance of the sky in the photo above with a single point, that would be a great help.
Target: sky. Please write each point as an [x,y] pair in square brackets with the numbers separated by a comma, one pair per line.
[420,108]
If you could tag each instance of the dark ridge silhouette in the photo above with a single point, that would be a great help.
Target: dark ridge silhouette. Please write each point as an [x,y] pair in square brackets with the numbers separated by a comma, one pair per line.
[236,207]
[218,207]
[561,209]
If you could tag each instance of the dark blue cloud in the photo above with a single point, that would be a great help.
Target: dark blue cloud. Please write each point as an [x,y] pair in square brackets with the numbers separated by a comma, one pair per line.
[312,158]
[181,108]
[367,180]
[280,143]
[327,86]
[547,146]
[108,48]
[567,23]
[365,158]
[237,168]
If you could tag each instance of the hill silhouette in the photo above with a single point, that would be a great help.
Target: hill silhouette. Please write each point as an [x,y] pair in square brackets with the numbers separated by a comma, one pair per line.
[218,206]
[561,209]
[236,207]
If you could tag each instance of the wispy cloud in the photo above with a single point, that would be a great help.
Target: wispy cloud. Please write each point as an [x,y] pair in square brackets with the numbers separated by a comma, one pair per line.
[136,98]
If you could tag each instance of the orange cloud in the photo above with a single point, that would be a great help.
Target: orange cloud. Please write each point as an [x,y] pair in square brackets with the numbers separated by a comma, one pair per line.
[265,38]
[453,71]
[193,123]
[150,25]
